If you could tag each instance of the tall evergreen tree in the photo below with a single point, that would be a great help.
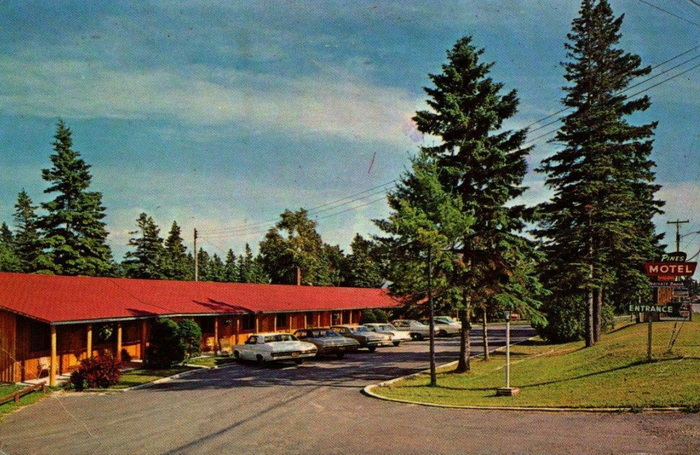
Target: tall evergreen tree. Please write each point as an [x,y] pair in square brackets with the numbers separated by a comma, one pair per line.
[73,233]
[425,227]
[148,260]
[597,227]
[6,235]
[9,261]
[484,164]
[177,263]
[250,268]
[27,245]
[231,272]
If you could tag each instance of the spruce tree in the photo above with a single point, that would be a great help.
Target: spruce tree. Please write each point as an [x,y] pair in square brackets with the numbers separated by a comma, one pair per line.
[231,271]
[177,263]
[484,164]
[73,234]
[148,260]
[26,240]
[598,227]
[9,261]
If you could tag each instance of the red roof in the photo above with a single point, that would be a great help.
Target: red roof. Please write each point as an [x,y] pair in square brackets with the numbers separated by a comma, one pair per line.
[62,299]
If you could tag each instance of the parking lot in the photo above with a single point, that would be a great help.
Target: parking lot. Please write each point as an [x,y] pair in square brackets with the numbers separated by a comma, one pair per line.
[317,408]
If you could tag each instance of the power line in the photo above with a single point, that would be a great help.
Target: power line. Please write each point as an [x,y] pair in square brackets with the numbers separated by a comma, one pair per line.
[347,200]
[673,14]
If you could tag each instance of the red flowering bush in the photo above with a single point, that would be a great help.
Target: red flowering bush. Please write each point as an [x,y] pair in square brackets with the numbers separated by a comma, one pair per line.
[97,372]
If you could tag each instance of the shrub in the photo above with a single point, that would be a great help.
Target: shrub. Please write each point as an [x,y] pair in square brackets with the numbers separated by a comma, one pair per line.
[96,372]
[191,336]
[368,316]
[166,345]
[381,315]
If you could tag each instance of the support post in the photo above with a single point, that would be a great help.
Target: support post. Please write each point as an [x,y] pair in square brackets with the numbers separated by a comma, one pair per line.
[649,336]
[54,359]
[88,349]
[144,341]
[119,342]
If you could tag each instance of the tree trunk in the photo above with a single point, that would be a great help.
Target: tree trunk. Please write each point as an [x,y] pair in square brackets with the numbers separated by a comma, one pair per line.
[485,336]
[598,315]
[463,365]
[589,319]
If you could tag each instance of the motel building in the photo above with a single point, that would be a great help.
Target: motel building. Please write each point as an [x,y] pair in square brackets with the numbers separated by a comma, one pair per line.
[49,323]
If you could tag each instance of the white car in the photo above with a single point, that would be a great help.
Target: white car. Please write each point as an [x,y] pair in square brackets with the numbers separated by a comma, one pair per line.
[274,347]
[397,336]
[446,326]
[416,330]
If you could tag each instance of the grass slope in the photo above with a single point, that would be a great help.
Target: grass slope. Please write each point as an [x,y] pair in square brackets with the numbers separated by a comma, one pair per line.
[613,373]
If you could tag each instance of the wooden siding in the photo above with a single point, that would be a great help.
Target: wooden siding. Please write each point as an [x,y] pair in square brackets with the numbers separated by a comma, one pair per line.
[8,347]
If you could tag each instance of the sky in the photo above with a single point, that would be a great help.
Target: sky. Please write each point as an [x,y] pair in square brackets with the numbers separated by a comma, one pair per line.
[220,115]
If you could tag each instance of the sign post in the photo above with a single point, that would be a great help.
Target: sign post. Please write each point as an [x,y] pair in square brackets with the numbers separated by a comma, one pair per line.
[670,267]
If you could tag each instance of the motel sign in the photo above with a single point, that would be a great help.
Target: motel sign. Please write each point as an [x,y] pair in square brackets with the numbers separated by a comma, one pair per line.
[670,268]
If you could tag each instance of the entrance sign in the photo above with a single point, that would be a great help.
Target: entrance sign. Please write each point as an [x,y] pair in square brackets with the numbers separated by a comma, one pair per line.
[670,268]
[651,308]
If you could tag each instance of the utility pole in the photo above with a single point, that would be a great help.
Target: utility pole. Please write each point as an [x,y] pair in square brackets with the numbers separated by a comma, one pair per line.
[678,231]
[196,258]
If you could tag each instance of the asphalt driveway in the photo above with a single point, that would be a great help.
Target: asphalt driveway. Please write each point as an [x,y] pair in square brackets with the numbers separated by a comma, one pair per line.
[317,408]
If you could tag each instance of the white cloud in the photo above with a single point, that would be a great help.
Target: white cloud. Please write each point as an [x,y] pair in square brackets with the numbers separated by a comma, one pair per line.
[326,102]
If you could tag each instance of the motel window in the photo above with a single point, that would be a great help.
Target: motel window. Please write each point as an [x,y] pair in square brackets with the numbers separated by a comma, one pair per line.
[39,336]
[206,324]
[310,319]
[248,322]
[281,320]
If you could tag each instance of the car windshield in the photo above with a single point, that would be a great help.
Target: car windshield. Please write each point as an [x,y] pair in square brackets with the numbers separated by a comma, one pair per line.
[280,337]
[360,329]
[330,333]
[385,327]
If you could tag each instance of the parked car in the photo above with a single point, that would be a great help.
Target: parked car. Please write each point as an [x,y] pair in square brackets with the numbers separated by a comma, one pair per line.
[328,342]
[363,335]
[446,326]
[417,330]
[274,347]
[447,320]
[397,336]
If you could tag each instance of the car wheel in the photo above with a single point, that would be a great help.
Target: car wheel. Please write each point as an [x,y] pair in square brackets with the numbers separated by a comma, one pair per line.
[340,355]
[298,361]
[236,355]
[260,359]
[397,343]
[372,348]
[442,333]
[417,336]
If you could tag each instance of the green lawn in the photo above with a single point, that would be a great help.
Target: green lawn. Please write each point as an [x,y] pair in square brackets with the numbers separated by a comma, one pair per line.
[142,376]
[211,361]
[6,389]
[614,373]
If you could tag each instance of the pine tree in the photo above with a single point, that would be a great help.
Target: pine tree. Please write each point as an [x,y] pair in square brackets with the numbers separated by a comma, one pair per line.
[177,263]
[74,235]
[598,227]
[426,225]
[148,260]
[231,272]
[251,269]
[26,240]
[484,164]
[9,261]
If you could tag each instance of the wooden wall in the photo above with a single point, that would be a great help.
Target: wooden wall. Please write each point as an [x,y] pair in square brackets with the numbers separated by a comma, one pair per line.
[8,348]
